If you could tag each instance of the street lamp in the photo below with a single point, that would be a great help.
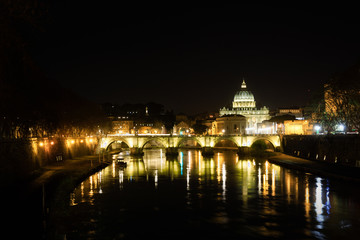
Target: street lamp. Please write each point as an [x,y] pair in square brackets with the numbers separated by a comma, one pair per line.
[317,128]
[340,127]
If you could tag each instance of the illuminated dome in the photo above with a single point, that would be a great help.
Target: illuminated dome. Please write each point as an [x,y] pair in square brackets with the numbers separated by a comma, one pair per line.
[243,95]
[244,98]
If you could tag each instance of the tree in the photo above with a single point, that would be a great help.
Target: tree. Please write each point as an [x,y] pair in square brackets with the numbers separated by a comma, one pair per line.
[199,128]
[342,100]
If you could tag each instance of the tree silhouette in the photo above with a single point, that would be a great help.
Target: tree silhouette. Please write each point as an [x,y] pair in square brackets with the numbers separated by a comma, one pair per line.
[32,105]
[342,100]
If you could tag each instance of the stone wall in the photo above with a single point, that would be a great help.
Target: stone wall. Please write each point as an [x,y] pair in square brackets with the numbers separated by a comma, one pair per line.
[340,149]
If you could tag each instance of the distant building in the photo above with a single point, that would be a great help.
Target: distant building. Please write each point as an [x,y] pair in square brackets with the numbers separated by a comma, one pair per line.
[298,112]
[182,128]
[122,126]
[229,125]
[244,104]
[299,127]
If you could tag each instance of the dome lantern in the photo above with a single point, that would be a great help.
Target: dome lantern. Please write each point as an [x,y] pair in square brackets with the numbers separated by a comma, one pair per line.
[243,85]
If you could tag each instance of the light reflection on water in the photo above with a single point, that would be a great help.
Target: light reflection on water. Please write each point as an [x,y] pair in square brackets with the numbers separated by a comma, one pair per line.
[220,196]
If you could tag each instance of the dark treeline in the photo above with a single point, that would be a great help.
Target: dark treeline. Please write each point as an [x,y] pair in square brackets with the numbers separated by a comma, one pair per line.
[32,105]
[342,101]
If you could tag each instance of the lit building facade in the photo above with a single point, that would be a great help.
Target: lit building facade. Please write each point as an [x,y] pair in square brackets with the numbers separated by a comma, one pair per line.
[298,127]
[122,126]
[244,104]
[295,111]
[229,125]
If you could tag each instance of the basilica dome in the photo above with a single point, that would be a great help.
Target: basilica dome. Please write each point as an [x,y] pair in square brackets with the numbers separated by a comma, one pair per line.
[244,95]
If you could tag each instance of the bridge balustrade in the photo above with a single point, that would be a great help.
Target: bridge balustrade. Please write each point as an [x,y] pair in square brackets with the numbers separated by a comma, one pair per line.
[172,142]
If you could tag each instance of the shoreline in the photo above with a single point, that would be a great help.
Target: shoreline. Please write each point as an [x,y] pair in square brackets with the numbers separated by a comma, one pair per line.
[76,169]
[323,169]
[30,202]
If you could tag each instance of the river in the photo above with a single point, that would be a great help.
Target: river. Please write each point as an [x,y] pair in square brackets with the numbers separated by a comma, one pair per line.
[224,197]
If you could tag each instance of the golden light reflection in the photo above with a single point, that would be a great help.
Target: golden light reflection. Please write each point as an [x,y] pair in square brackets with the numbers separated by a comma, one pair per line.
[296,190]
[199,166]
[265,185]
[266,179]
[253,178]
[91,192]
[218,170]
[82,190]
[156,178]
[172,169]
[288,186]
[273,182]
[121,178]
[307,199]
[135,169]
[113,169]
[223,182]
[259,180]
[73,199]
[188,171]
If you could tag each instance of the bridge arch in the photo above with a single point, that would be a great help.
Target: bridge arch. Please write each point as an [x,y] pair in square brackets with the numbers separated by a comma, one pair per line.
[158,140]
[222,139]
[263,140]
[183,140]
[108,142]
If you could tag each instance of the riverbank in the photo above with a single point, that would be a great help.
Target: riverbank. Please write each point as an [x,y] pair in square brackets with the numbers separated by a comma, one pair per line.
[324,169]
[28,202]
[77,169]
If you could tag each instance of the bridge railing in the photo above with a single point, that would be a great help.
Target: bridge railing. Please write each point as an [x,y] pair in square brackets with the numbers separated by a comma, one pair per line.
[187,135]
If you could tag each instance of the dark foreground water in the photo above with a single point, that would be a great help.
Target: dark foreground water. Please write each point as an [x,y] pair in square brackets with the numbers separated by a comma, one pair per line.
[197,198]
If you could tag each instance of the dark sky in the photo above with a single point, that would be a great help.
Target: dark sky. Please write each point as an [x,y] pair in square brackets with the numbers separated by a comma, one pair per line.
[192,58]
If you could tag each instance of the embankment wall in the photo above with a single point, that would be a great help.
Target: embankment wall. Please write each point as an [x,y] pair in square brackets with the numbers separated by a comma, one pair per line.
[339,149]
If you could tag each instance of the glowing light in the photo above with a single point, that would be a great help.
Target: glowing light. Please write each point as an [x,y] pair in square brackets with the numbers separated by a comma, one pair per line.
[52,143]
[156,178]
[317,128]
[72,141]
[340,127]
[224,182]
[41,144]
[307,200]
[318,204]
[273,182]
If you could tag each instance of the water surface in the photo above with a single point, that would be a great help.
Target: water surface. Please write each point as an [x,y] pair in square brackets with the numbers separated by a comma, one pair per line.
[223,197]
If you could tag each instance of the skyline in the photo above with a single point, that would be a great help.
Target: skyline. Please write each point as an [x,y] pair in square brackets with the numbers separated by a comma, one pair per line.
[193,58]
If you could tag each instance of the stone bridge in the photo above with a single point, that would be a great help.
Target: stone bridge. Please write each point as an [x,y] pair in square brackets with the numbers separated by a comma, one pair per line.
[171,143]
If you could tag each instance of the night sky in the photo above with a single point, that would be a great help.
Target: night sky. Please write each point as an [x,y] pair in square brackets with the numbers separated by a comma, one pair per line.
[192,58]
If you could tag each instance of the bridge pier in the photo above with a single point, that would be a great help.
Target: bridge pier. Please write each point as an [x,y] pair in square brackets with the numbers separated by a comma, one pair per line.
[207,152]
[243,151]
[136,151]
[172,152]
